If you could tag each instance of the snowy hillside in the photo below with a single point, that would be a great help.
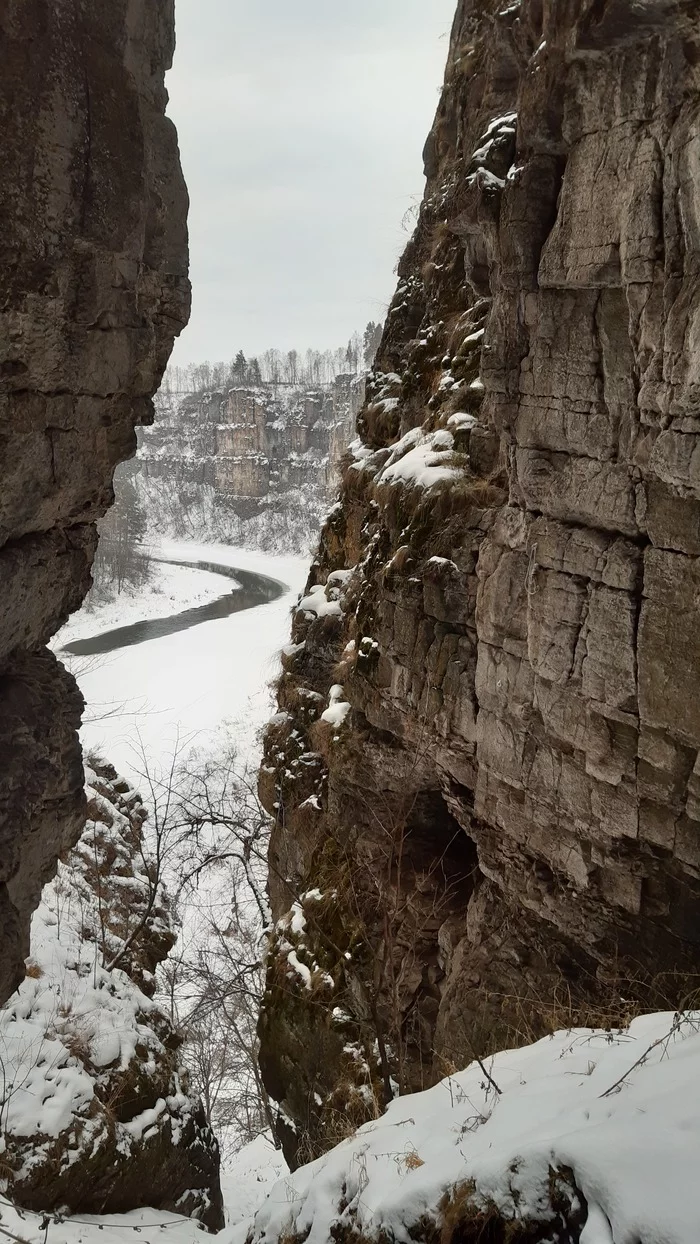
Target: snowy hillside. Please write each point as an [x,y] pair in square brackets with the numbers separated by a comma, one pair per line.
[95,1109]
[586,1136]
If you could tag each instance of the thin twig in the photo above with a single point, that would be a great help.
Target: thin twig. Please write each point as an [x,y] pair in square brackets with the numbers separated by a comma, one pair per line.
[643,1057]
[490,1078]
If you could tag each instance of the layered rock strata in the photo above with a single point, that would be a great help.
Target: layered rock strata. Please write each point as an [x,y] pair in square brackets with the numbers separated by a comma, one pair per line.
[93,289]
[256,465]
[485,771]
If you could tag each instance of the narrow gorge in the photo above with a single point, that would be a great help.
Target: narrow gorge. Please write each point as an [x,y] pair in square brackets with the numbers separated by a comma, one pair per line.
[476,820]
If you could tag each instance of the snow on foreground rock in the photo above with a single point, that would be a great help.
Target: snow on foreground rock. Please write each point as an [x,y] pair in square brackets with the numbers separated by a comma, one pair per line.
[95,1110]
[591,1137]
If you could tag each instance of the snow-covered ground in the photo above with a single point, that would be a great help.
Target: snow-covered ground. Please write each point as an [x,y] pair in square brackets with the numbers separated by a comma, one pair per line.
[612,1118]
[180,690]
[248,1179]
[254,1173]
[609,1117]
[170,589]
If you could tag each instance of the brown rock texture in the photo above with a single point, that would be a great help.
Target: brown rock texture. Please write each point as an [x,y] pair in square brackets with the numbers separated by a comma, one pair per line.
[93,289]
[486,757]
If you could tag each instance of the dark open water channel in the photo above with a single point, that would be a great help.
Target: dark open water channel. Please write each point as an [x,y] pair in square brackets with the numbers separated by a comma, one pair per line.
[254,590]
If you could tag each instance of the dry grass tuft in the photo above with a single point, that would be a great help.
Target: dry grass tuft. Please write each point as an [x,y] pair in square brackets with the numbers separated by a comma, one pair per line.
[465,1220]
[412,1161]
[77,1044]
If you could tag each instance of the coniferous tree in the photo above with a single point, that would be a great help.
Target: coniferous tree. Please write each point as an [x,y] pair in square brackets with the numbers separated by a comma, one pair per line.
[370,342]
[240,368]
[254,377]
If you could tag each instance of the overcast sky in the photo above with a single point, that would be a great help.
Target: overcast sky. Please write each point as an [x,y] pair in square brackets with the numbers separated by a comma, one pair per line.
[301,127]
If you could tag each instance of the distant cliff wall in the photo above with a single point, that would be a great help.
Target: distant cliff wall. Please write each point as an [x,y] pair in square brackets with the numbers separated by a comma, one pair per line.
[485,770]
[257,464]
[93,289]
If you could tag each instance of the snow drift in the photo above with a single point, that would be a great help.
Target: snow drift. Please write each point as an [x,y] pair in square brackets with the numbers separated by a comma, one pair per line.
[588,1135]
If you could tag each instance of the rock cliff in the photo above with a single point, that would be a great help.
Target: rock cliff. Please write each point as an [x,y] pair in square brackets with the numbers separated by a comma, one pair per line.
[250,464]
[96,1109]
[485,770]
[93,288]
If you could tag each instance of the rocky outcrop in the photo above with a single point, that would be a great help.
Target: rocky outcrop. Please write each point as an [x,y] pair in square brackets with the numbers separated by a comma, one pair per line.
[93,280]
[249,464]
[484,771]
[557,1147]
[97,1112]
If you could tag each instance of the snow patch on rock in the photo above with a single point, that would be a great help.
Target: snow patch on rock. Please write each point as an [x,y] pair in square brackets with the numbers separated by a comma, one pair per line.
[93,1101]
[421,460]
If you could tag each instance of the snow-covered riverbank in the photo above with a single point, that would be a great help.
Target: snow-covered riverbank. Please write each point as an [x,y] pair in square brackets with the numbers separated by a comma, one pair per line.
[206,687]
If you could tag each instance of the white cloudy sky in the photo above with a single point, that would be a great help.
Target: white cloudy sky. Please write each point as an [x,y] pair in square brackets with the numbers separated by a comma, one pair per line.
[301,127]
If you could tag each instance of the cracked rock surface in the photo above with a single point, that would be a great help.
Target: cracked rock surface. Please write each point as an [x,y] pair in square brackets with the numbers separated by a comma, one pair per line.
[93,289]
[487,750]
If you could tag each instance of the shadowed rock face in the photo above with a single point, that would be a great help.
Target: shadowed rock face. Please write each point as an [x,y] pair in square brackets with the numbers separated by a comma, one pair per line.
[93,289]
[526,661]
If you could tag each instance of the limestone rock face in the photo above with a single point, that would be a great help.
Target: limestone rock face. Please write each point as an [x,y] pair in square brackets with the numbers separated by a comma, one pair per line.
[486,757]
[93,289]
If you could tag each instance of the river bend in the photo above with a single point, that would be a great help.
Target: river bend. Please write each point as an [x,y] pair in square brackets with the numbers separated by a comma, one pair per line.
[251,590]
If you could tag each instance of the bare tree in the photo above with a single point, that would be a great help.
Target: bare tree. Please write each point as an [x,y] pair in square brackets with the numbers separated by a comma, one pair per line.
[120,560]
[292,367]
[211,843]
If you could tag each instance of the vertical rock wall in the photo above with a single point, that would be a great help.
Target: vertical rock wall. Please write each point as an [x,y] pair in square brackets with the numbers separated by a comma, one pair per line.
[485,772]
[93,289]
